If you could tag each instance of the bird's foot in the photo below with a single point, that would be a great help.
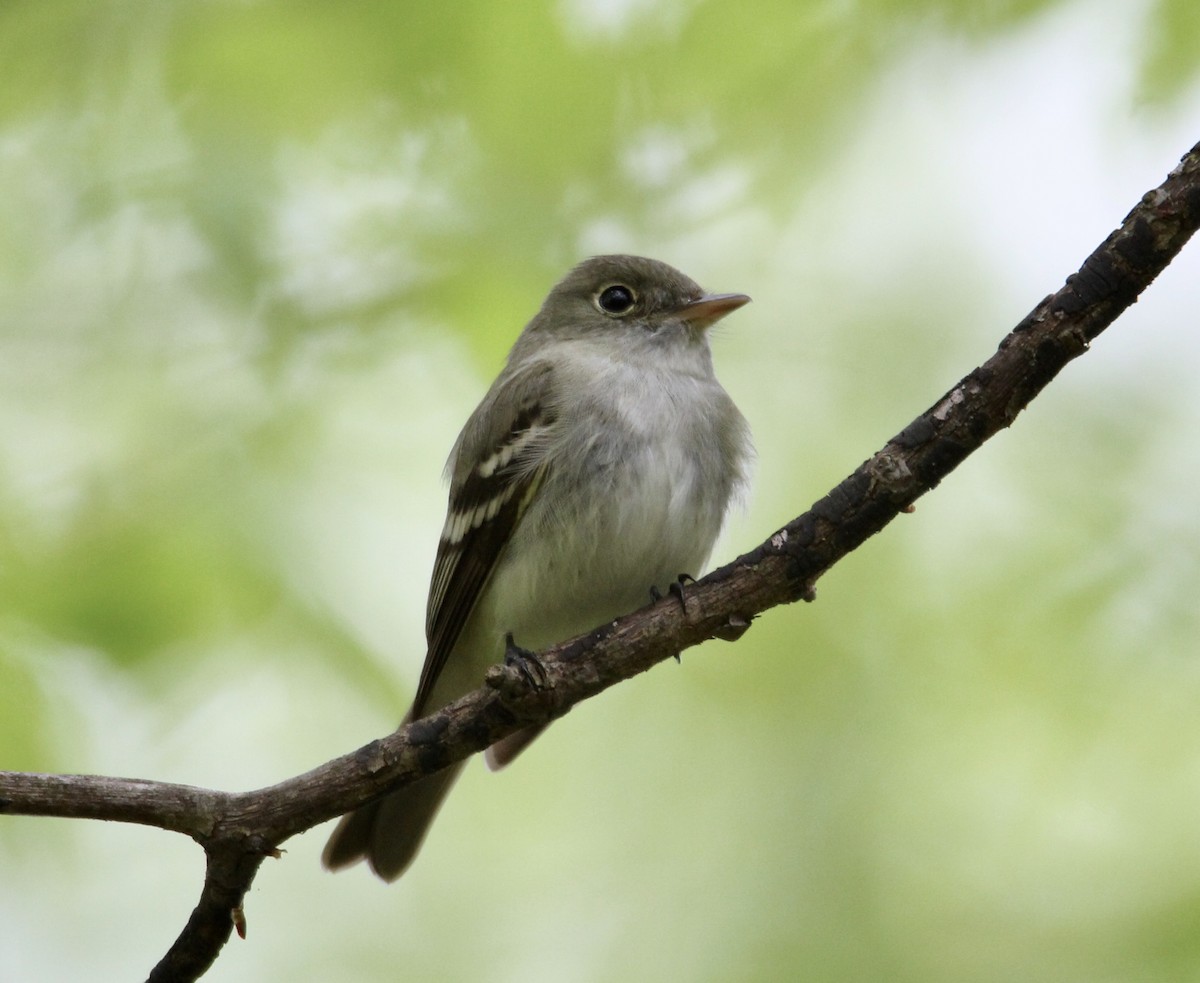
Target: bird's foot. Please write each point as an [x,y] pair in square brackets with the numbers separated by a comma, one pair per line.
[678,588]
[527,664]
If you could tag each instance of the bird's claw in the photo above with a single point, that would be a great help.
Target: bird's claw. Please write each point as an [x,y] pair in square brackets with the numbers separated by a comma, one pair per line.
[678,590]
[526,663]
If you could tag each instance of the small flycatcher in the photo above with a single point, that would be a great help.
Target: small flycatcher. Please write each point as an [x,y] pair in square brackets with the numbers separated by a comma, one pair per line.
[598,467]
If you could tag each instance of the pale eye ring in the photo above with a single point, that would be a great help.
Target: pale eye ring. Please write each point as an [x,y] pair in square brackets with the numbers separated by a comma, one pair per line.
[615,300]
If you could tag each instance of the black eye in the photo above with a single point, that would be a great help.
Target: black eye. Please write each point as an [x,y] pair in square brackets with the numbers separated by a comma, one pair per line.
[617,299]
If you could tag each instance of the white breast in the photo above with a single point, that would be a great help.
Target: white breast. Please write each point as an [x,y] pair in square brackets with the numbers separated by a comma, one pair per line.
[626,506]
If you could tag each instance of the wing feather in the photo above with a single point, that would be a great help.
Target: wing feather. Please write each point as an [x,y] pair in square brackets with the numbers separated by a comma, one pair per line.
[496,467]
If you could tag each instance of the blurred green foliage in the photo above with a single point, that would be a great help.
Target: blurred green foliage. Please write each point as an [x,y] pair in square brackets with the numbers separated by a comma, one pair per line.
[257,261]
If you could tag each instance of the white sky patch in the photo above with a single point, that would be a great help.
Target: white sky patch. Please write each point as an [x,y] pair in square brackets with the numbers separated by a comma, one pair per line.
[611,20]
[343,233]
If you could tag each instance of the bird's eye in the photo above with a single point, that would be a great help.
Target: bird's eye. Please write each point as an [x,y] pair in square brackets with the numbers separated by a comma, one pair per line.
[616,299]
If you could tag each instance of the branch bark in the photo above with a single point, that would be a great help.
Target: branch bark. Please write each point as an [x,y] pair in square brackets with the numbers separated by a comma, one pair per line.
[239,830]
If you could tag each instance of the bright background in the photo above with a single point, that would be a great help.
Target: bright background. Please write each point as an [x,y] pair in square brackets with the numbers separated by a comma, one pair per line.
[258,261]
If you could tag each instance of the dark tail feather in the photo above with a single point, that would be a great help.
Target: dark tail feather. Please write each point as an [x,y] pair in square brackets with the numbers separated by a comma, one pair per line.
[507,748]
[389,832]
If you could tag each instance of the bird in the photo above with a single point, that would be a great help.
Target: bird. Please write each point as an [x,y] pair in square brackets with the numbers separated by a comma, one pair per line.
[597,469]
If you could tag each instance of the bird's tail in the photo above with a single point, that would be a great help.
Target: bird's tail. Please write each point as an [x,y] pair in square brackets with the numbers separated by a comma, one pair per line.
[504,750]
[389,832]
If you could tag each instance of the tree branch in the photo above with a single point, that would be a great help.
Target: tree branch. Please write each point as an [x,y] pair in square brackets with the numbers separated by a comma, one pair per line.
[238,830]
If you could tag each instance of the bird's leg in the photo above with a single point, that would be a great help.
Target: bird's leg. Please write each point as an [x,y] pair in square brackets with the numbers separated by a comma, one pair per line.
[677,588]
[525,662]
[656,595]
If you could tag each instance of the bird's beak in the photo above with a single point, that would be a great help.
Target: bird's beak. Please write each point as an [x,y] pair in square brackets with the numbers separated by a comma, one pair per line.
[710,308]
